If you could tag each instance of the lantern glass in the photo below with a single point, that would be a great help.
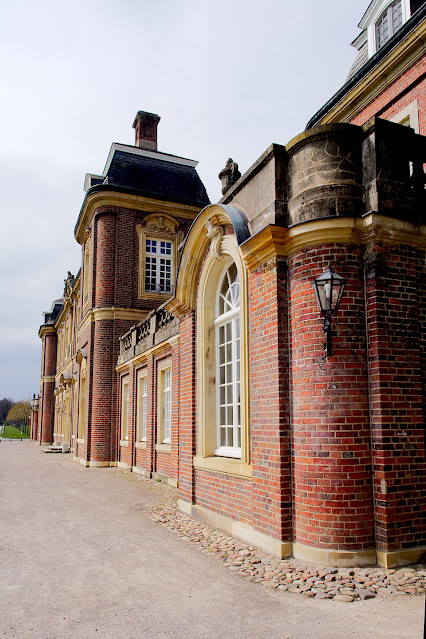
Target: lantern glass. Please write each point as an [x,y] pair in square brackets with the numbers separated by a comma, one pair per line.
[328,290]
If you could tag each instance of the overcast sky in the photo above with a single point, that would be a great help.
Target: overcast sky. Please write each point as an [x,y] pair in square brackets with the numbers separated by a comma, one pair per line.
[228,78]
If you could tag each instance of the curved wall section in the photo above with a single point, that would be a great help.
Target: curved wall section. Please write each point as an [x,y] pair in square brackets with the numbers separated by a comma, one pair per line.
[332,483]
[325,174]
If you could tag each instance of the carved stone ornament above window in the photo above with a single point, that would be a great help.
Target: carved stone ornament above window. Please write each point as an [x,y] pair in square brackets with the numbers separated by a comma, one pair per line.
[160,224]
[215,235]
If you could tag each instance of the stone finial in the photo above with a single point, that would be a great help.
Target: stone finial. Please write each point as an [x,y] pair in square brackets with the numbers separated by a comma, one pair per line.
[229,175]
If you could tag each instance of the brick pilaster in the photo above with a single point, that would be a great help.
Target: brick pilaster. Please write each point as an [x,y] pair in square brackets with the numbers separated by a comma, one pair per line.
[269,394]
[187,390]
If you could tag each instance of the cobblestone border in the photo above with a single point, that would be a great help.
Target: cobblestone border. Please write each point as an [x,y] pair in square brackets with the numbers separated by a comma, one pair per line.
[289,575]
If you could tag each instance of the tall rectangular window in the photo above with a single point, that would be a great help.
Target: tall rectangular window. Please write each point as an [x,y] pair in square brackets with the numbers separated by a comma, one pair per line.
[142,407]
[158,265]
[125,408]
[167,405]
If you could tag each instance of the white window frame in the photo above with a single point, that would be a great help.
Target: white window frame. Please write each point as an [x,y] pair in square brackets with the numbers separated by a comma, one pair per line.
[374,14]
[164,405]
[125,399]
[231,319]
[159,256]
[167,398]
[142,406]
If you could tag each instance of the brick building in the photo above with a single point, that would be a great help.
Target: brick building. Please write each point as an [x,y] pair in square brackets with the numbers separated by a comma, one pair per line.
[191,347]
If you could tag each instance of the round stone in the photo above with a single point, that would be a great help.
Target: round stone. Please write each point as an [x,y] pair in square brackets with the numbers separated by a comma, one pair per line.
[344,598]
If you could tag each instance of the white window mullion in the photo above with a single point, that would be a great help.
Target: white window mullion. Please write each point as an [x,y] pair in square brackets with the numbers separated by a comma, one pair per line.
[227,379]
[167,406]
[158,265]
[234,382]
[144,406]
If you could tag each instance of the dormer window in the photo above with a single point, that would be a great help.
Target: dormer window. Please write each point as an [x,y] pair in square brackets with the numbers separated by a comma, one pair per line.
[388,23]
[382,20]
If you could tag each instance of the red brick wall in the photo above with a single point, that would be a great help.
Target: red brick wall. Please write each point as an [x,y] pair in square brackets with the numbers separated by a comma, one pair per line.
[331,438]
[141,459]
[407,87]
[105,260]
[395,308]
[50,355]
[47,413]
[269,400]
[101,391]
[47,402]
[34,424]
[187,389]
[226,495]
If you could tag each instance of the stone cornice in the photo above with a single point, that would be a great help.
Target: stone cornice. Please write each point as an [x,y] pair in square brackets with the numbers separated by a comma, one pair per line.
[274,241]
[67,367]
[46,329]
[111,313]
[150,352]
[129,201]
[118,313]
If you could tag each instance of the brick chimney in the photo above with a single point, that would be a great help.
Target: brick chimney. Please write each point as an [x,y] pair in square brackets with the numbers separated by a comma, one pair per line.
[145,126]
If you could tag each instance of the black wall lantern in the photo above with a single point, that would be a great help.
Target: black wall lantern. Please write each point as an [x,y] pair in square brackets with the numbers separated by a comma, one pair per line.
[329,289]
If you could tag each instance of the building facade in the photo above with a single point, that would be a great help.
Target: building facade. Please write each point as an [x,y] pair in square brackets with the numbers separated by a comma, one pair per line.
[191,347]
[388,77]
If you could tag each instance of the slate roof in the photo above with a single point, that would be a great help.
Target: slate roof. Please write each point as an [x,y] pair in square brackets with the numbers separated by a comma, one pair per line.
[360,60]
[157,178]
[51,316]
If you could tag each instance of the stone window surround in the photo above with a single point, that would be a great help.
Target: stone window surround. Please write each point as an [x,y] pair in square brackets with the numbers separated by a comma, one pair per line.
[141,377]
[157,226]
[211,273]
[163,444]
[124,403]
[410,113]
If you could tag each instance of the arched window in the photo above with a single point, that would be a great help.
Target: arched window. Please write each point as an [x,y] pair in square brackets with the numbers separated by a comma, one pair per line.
[223,441]
[228,364]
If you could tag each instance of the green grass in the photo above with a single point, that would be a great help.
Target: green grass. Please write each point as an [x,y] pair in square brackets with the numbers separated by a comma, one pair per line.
[14,433]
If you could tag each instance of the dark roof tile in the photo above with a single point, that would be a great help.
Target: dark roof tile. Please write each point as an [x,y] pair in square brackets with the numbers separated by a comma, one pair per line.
[157,178]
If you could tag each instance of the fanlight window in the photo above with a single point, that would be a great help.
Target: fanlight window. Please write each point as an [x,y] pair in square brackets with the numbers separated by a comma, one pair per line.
[228,365]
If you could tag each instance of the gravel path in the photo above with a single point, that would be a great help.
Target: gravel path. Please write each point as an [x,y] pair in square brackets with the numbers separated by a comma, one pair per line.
[91,553]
